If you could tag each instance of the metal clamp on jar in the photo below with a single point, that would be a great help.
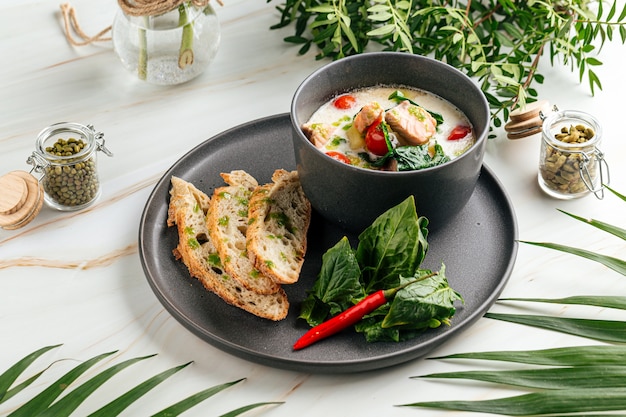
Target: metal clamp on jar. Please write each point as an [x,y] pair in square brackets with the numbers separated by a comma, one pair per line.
[65,157]
[571,164]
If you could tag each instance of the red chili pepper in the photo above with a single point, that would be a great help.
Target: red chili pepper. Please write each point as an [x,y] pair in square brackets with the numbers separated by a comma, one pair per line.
[351,316]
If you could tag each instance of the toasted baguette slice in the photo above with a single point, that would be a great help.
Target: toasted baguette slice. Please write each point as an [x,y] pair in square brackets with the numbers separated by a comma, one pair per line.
[227,223]
[280,215]
[187,210]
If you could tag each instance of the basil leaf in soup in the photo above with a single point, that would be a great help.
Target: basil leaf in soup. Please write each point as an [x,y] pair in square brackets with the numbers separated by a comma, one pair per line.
[412,158]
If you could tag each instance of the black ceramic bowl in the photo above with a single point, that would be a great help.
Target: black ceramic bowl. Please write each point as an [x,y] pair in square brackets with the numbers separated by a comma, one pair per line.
[353,197]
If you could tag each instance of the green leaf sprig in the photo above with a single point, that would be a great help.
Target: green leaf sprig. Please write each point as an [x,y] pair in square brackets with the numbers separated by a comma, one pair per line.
[572,380]
[498,42]
[47,402]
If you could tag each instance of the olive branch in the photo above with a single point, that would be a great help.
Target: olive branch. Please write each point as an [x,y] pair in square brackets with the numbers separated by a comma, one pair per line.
[498,42]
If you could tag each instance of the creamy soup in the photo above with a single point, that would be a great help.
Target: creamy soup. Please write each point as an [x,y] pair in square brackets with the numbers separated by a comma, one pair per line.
[390,128]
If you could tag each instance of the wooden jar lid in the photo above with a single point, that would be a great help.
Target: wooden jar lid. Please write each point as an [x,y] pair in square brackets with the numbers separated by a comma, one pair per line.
[21,198]
[527,121]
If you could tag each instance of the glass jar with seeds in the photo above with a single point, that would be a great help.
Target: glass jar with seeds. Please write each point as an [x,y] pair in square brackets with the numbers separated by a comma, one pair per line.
[571,164]
[66,157]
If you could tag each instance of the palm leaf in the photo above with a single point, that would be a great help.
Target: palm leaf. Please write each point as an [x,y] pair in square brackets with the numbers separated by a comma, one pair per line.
[547,378]
[615,264]
[605,330]
[184,405]
[586,300]
[66,405]
[614,230]
[565,356]
[15,390]
[44,405]
[623,197]
[541,403]
[587,378]
[243,409]
[118,405]
[42,401]
[9,376]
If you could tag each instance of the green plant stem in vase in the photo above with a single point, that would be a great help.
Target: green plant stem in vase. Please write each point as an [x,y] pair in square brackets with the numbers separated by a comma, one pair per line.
[142,67]
[185,56]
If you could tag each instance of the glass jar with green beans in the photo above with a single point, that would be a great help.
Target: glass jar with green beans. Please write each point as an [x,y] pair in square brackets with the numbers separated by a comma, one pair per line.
[571,164]
[66,157]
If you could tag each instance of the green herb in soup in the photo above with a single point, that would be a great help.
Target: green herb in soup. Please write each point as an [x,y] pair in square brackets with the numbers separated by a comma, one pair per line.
[390,129]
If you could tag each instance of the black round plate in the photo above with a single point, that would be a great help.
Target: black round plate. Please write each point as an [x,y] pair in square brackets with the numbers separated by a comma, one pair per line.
[479,248]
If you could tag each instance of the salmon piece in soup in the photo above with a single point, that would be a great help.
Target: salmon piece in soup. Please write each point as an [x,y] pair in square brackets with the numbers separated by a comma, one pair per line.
[318,133]
[412,124]
[367,116]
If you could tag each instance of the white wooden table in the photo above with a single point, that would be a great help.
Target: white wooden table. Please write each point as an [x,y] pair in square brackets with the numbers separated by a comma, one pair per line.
[76,278]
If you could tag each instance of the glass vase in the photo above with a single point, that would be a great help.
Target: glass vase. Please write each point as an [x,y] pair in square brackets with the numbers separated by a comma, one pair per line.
[170,48]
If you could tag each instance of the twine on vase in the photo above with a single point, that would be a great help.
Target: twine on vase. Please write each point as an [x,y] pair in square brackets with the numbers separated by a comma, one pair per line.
[155,7]
[71,25]
[129,7]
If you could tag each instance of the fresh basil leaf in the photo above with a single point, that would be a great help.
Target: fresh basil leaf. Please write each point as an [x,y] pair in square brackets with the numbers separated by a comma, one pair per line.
[412,158]
[393,246]
[377,162]
[314,310]
[385,129]
[374,332]
[372,325]
[372,329]
[388,255]
[337,287]
[409,158]
[425,304]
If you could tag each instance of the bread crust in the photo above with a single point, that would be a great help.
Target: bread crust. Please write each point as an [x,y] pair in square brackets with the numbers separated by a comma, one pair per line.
[279,215]
[227,223]
[187,211]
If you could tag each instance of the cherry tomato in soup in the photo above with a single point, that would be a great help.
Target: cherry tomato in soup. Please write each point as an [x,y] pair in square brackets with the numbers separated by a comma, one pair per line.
[376,138]
[459,132]
[344,102]
[339,157]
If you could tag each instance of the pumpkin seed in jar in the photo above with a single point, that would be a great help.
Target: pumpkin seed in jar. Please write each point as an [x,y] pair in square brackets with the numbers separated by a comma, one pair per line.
[560,168]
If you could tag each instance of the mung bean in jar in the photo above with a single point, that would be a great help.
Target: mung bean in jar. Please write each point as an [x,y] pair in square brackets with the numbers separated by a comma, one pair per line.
[571,164]
[65,155]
